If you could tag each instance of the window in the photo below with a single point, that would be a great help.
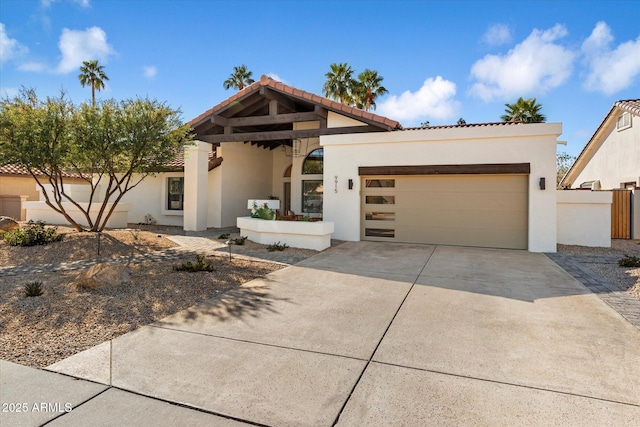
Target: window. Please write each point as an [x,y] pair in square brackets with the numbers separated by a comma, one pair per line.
[175,194]
[380,216]
[624,121]
[312,196]
[380,232]
[380,200]
[380,183]
[314,162]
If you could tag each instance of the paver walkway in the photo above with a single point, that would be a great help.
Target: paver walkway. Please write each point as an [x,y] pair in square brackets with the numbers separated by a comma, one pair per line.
[369,334]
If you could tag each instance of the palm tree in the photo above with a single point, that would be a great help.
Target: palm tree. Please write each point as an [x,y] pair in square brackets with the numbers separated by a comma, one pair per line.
[92,74]
[239,78]
[524,110]
[339,83]
[367,89]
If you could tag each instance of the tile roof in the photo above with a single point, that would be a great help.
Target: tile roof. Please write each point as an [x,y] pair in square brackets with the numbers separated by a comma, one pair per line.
[630,105]
[12,169]
[298,93]
[469,125]
[177,163]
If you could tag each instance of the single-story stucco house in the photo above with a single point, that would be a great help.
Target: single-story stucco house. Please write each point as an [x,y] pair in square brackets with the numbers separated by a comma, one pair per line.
[489,185]
[611,160]
[367,177]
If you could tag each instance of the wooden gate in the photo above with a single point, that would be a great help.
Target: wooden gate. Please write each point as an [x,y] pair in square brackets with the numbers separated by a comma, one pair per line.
[621,214]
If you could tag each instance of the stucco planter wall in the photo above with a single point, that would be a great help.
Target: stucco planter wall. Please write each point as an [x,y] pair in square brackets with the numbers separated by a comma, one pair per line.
[41,211]
[296,234]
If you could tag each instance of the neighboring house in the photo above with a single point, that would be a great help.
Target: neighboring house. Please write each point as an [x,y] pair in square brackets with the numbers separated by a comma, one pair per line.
[18,186]
[474,185]
[611,158]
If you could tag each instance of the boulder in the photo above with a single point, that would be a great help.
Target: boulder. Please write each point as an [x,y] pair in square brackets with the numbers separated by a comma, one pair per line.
[102,276]
[8,224]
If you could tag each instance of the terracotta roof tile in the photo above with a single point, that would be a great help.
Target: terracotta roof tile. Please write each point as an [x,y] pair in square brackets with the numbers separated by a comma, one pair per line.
[470,125]
[12,169]
[630,105]
[330,104]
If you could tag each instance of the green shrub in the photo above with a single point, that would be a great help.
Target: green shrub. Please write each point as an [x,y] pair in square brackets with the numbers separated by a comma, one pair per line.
[277,246]
[33,289]
[2,233]
[201,264]
[263,212]
[239,241]
[629,261]
[33,233]
[224,236]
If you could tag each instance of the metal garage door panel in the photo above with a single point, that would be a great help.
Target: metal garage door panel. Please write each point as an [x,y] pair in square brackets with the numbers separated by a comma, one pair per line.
[467,210]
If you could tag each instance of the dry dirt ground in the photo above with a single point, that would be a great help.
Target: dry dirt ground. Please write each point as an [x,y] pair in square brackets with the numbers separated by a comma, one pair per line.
[39,331]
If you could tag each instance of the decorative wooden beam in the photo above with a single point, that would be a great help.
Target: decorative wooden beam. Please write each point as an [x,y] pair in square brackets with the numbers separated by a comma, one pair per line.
[275,96]
[270,120]
[285,134]
[273,107]
[473,169]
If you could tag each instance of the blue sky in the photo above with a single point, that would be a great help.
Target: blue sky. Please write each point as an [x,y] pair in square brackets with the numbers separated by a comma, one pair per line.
[441,60]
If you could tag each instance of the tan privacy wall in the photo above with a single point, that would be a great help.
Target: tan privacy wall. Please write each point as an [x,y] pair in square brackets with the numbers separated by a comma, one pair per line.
[465,210]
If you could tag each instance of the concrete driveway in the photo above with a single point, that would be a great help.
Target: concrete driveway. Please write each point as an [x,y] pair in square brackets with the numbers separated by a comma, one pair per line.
[366,334]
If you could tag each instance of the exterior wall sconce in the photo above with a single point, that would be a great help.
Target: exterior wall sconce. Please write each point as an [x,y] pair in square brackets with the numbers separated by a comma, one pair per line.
[542,183]
[350,184]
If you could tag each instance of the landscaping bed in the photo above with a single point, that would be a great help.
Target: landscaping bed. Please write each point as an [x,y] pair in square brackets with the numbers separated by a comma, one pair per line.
[84,245]
[625,278]
[64,320]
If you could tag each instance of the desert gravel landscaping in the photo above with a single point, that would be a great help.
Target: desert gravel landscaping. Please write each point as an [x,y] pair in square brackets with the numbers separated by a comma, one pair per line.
[39,331]
[627,279]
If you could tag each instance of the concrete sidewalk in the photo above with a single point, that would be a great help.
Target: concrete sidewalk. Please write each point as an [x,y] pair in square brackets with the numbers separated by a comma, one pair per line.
[363,334]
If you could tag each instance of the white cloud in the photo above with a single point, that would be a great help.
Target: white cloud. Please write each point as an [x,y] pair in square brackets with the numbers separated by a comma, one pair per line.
[33,66]
[77,46]
[610,70]
[47,3]
[497,34]
[149,71]
[531,68]
[434,100]
[9,48]
[276,77]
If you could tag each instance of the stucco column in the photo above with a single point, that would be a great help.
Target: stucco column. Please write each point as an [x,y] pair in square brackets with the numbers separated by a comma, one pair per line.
[196,163]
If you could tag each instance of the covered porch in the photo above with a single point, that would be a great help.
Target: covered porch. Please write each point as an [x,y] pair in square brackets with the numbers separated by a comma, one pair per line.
[267,138]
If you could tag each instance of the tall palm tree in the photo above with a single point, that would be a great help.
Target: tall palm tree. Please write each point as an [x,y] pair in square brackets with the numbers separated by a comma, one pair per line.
[240,78]
[368,88]
[524,110]
[92,74]
[339,83]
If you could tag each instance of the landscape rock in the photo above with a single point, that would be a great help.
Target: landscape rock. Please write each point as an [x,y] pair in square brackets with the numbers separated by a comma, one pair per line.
[104,275]
[7,224]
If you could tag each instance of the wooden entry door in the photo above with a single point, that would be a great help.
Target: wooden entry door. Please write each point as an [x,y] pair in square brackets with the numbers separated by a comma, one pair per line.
[621,214]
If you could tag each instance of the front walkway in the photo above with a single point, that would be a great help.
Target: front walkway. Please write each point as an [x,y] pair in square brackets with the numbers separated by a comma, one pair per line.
[362,334]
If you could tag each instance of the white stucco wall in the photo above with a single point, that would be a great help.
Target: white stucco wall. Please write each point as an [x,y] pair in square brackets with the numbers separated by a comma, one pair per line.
[246,173]
[150,198]
[584,217]
[617,160]
[532,143]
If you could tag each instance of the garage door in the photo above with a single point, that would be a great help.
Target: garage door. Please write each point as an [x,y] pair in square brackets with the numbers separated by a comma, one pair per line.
[465,210]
